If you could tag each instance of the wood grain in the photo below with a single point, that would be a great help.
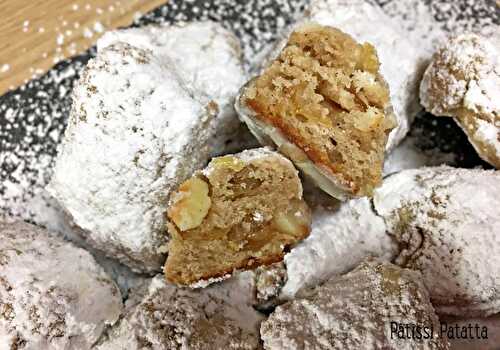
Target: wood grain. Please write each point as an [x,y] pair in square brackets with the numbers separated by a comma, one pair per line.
[36,34]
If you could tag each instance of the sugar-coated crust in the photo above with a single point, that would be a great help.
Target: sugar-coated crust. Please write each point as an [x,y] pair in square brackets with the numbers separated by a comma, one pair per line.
[208,58]
[53,295]
[131,130]
[139,126]
[401,61]
[446,223]
[340,239]
[260,153]
[162,316]
[354,312]
[246,264]
[342,235]
[463,81]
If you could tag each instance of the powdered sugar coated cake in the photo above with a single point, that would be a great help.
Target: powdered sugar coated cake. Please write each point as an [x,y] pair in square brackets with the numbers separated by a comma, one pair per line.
[53,295]
[139,126]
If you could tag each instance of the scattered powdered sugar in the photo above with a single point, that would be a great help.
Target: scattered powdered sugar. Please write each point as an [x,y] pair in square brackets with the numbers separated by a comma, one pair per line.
[256,23]
[208,58]
[269,281]
[408,155]
[28,144]
[429,21]
[33,118]
[36,114]
[249,155]
[32,125]
[463,73]
[490,133]
[207,282]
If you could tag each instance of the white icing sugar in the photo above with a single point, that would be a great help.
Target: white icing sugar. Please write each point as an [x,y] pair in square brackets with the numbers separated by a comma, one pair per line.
[429,22]
[53,295]
[207,56]
[340,239]
[258,153]
[207,282]
[400,57]
[46,212]
[133,127]
[446,221]
[489,133]
[466,67]
[250,155]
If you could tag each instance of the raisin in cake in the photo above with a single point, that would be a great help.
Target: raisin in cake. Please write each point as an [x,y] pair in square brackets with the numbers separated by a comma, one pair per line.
[323,103]
[242,211]
[53,295]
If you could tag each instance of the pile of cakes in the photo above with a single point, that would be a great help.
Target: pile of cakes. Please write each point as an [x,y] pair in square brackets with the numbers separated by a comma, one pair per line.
[288,239]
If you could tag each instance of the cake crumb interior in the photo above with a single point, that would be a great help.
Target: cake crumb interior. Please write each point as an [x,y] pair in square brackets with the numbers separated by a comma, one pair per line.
[325,94]
[255,213]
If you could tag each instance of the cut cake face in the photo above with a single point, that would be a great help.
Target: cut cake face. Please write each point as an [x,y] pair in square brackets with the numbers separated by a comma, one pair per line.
[324,105]
[242,211]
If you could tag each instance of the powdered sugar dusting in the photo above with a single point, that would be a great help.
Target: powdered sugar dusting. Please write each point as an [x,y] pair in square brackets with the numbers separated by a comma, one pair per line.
[463,81]
[33,118]
[354,311]
[119,122]
[446,220]
[216,317]
[44,292]
[340,239]
[209,59]
[466,68]
[207,282]
[489,133]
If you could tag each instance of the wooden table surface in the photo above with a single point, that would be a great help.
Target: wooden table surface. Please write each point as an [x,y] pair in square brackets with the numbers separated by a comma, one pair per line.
[36,34]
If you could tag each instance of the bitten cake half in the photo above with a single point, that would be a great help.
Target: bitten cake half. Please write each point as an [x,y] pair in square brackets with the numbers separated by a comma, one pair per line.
[324,104]
[240,212]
